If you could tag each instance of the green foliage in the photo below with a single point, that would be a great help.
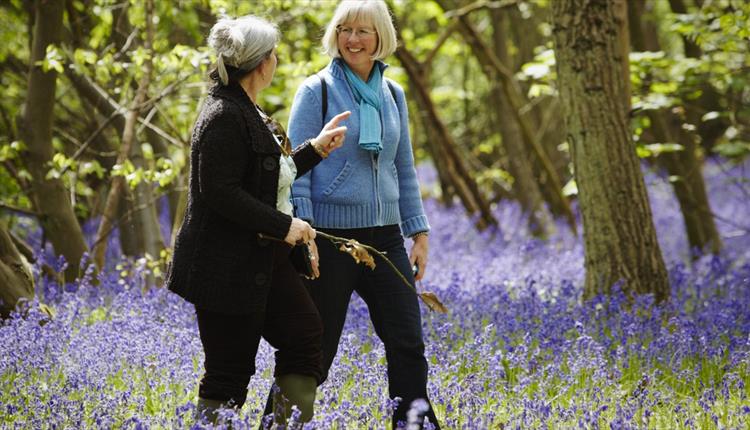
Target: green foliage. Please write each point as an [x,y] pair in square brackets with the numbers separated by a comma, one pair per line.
[104,42]
[669,79]
[540,74]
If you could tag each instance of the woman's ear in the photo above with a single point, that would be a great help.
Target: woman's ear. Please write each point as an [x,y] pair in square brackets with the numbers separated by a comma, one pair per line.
[263,67]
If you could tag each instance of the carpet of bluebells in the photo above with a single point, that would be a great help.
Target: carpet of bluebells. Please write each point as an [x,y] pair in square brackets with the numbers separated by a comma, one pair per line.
[518,348]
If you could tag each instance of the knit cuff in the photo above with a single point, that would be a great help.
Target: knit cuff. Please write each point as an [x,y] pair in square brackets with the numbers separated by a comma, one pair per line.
[305,157]
[414,225]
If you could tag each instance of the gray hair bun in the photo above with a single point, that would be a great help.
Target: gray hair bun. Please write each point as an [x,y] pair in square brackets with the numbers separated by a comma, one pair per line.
[242,43]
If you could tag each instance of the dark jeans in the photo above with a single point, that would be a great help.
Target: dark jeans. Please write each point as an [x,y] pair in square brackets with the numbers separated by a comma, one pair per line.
[394,309]
[291,324]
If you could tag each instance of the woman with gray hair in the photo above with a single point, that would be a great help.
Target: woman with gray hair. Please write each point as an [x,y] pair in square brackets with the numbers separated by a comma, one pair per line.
[368,191]
[231,256]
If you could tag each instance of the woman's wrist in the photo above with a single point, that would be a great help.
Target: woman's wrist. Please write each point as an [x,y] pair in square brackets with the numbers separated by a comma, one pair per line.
[318,147]
[419,234]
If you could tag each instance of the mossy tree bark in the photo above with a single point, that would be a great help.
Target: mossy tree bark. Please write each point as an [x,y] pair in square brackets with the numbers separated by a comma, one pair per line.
[49,195]
[16,282]
[619,234]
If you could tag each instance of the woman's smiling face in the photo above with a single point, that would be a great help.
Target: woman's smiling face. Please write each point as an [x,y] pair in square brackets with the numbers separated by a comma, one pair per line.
[357,42]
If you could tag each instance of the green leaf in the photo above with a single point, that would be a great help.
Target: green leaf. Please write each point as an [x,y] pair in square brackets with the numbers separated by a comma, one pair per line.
[570,189]
[148,151]
[660,148]
[732,149]
[53,60]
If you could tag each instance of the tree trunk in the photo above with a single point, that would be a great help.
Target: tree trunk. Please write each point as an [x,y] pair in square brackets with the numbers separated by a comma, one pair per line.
[124,207]
[689,187]
[144,209]
[619,234]
[128,138]
[142,206]
[175,190]
[525,186]
[49,195]
[16,283]
[126,226]
[620,10]
[545,114]
[496,69]
[685,165]
[445,147]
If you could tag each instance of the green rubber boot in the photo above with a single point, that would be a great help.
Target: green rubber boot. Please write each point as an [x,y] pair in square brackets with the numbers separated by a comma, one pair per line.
[208,408]
[294,390]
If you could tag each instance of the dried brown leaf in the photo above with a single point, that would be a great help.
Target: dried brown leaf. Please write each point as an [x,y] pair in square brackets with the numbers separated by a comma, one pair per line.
[433,302]
[358,253]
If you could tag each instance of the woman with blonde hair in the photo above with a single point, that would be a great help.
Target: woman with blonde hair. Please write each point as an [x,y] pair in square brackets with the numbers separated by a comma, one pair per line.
[368,191]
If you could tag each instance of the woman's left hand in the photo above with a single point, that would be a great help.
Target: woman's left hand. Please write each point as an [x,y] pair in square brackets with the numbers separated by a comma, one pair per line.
[418,255]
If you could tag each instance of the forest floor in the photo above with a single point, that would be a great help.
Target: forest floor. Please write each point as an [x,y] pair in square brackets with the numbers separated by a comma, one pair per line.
[517,349]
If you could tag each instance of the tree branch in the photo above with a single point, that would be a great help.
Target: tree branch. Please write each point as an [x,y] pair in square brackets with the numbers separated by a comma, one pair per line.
[477,5]
[439,44]
[22,211]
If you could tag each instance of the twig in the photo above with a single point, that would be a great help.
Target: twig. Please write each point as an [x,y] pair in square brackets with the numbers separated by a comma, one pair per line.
[429,298]
[88,141]
[340,241]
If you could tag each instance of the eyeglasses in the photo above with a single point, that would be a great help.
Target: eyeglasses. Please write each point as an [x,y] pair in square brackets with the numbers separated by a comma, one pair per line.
[362,33]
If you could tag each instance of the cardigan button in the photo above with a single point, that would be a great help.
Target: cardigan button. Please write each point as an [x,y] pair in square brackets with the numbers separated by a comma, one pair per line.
[270,163]
[261,278]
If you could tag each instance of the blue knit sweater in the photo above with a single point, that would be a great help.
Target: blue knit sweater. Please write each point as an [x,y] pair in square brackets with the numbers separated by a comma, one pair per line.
[353,187]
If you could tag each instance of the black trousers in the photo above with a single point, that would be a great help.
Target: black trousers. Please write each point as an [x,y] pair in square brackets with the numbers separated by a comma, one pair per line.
[291,324]
[393,306]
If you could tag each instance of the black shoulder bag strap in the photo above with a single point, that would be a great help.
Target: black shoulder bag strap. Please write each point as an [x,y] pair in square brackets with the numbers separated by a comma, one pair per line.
[324,95]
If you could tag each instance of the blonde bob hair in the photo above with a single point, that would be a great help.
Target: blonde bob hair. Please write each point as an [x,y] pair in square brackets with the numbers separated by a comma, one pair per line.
[369,11]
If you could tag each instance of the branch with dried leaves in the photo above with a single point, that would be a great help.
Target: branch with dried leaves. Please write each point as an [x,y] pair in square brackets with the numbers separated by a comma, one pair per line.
[361,254]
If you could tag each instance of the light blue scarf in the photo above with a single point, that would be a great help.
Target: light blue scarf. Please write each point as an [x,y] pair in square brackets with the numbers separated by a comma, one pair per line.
[368,97]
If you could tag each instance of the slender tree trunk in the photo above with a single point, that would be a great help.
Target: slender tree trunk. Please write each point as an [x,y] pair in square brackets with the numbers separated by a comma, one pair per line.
[685,165]
[545,114]
[49,195]
[144,209]
[450,161]
[688,184]
[619,234]
[173,191]
[525,186]
[421,131]
[128,138]
[124,207]
[496,69]
[16,282]
[126,225]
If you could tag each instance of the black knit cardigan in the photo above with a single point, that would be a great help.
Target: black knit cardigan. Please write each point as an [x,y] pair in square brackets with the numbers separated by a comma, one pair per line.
[220,263]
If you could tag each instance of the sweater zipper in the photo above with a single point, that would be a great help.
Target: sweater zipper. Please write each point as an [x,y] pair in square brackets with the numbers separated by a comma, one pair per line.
[378,220]
[374,159]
